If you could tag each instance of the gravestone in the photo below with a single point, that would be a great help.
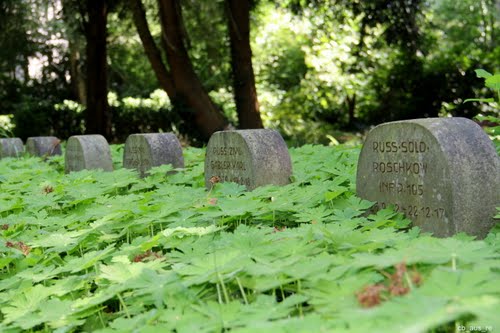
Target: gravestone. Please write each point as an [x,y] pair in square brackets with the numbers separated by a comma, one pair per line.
[249,157]
[87,152]
[11,147]
[144,151]
[43,146]
[442,173]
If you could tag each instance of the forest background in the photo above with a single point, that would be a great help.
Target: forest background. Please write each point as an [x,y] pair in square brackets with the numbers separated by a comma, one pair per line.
[312,69]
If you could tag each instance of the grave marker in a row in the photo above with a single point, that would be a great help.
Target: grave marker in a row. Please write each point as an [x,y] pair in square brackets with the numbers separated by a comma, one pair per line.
[442,173]
[144,151]
[36,146]
[248,157]
[43,146]
[87,152]
[11,147]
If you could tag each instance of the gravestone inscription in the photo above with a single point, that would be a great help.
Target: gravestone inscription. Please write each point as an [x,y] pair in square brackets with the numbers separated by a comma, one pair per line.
[11,147]
[442,173]
[87,152]
[249,157]
[144,151]
[43,146]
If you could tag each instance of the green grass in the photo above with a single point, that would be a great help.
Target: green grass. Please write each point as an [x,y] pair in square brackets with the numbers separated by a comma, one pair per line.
[109,252]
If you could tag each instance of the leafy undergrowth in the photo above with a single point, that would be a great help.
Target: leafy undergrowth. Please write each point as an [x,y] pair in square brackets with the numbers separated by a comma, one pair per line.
[109,252]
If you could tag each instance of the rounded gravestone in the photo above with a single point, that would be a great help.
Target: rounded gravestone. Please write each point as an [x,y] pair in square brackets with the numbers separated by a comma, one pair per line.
[144,151]
[249,157]
[43,146]
[87,152]
[442,173]
[11,147]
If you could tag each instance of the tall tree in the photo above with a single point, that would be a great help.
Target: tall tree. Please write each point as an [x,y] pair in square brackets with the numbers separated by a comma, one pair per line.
[98,116]
[179,80]
[245,94]
[16,48]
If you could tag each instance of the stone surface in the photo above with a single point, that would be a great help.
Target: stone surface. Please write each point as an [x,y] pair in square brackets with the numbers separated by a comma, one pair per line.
[43,146]
[442,173]
[11,147]
[249,157]
[144,151]
[87,152]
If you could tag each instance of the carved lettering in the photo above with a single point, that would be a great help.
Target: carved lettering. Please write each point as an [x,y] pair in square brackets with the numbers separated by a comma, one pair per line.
[228,165]
[137,156]
[407,165]
[400,167]
[227,151]
[411,146]
[413,210]
[394,187]
[236,179]
[75,159]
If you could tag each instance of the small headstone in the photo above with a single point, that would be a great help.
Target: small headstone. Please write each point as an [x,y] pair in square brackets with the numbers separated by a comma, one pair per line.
[144,151]
[249,157]
[43,146]
[11,147]
[87,152]
[442,173]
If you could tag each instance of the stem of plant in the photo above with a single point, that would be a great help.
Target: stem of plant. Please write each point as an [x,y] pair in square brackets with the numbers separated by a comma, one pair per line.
[242,291]
[301,313]
[219,295]
[101,319]
[124,306]
[223,286]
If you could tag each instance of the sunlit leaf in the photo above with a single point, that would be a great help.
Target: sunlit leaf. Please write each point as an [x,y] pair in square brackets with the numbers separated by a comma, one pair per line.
[493,82]
[482,73]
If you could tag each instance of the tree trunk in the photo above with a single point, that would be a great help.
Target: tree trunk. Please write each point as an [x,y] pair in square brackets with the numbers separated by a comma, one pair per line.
[245,94]
[200,108]
[151,50]
[351,107]
[77,79]
[98,116]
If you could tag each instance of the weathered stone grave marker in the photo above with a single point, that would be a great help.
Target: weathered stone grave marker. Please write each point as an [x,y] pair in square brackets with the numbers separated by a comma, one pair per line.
[11,147]
[249,157]
[87,152]
[443,173]
[144,151]
[43,146]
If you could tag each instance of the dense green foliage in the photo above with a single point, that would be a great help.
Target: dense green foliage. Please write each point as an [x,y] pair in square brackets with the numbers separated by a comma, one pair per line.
[381,60]
[491,81]
[109,252]
[320,65]
[130,115]
[33,59]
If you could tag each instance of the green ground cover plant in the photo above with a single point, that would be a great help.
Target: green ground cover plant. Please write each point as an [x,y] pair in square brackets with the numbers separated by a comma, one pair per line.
[491,81]
[109,252]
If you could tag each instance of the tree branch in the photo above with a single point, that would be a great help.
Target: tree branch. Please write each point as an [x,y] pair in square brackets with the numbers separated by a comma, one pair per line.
[151,49]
